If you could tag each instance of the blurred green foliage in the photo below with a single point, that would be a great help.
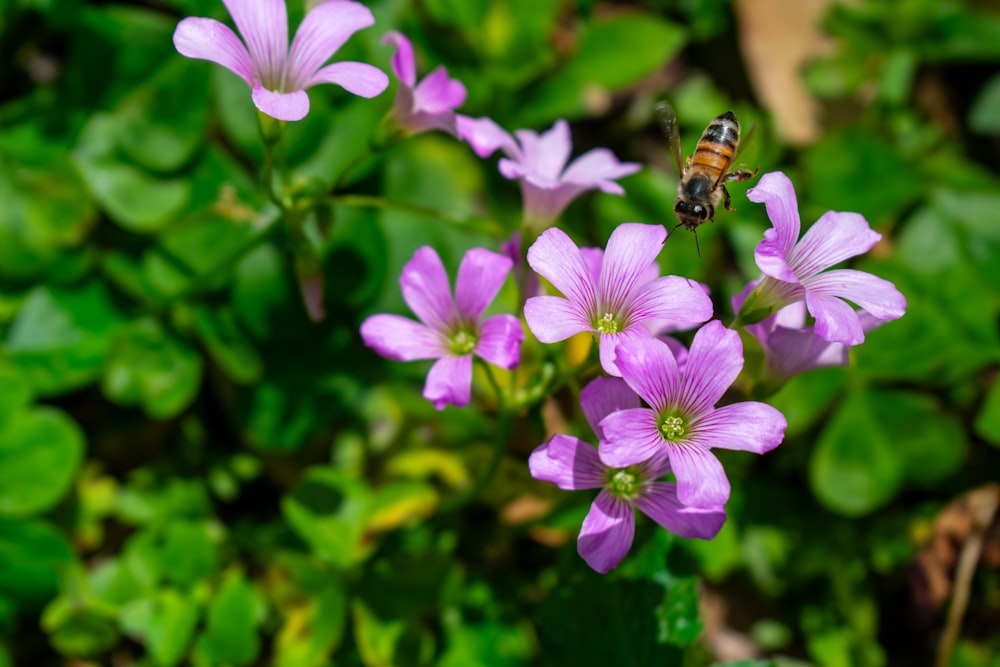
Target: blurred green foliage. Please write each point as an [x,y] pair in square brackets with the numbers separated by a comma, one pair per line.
[193,472]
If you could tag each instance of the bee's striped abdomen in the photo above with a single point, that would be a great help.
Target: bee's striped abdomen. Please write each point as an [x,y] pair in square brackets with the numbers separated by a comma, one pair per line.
[717,145]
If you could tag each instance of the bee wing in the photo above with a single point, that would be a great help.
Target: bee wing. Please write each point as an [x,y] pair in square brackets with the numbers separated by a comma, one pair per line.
[667,117]
[745,140]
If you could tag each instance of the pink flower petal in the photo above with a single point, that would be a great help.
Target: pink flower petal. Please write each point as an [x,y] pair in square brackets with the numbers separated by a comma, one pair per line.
[836,320]
[403,62]
[610,343]
[359,79]
[598,168]
[263,25]
[714,362]
[480,277]
[485,136]
[650,369]
[777,193]
[283,106]
[603,396]
[701,481]
[545,156]
[630,250]
[660,503]
[677,302]
[207,39]
[629,437]
[607,532]
[424,283]
[832,239]
[878,297]
[449,382]
[553,318]
[500,339]
[402,339]
[748,426]
[555,257]
[324,30]
[594,258]
[567,462]
[438,92]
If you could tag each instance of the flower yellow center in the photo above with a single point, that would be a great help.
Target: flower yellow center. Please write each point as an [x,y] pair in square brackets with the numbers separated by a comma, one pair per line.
[624,483]
[607,324]
[672,428]
[463,342]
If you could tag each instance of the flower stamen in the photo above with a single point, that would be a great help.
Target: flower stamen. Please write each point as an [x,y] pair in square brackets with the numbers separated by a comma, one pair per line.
[672,428]
[607,324]
[624,483]
[463,342]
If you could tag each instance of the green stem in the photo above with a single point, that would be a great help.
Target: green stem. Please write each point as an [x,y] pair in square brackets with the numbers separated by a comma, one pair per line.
[505,417]
[370,201]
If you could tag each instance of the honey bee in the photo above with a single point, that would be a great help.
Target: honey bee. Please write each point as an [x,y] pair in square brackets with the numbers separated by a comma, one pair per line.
[703,175]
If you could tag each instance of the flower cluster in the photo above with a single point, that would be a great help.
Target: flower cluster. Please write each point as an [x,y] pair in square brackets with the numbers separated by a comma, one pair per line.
[659,408]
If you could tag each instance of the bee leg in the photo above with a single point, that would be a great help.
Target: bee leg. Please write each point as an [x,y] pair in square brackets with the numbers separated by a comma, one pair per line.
[726,200]
[740,175]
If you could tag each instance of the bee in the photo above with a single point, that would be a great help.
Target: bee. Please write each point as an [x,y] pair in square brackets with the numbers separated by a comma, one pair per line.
[703,175]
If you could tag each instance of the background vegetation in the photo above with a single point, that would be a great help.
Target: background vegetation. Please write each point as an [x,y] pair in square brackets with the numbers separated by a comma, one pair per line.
[193,472]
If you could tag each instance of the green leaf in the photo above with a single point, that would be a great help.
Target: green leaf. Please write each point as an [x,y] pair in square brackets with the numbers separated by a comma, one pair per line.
[44,207]
[231,633]
[189,552]
[313,629]
[31,553]
[601,64]
[856,466]
[984,117]
[163,121]
[40,451]
[16,393]
[678,615]
[462,13]
[489,644]
[842,166]
[987,422]
[930,441]
[61,336]
[134,198]
[228,345]
[150,367]
[329,511]
[164,623]
[593,620]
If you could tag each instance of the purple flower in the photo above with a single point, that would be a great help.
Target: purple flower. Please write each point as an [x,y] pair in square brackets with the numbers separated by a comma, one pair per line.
[607,532]
[278,75]
[682,420]
[612,296]
[451,330]
[548,185]
[790,347]
[795,270]
[429,104]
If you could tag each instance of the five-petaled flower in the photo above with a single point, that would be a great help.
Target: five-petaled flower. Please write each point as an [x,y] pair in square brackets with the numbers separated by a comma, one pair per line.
[278,75]
[795,270]
[607,532]
[682,420]
[429,104]
[791,346]
[548,185]
[613,296]
[450,330]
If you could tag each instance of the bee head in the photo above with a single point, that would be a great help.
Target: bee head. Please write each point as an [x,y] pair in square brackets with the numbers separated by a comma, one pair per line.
[692,214]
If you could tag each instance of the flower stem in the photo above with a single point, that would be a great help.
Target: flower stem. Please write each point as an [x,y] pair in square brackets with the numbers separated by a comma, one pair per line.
[505,419]
[480,225]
